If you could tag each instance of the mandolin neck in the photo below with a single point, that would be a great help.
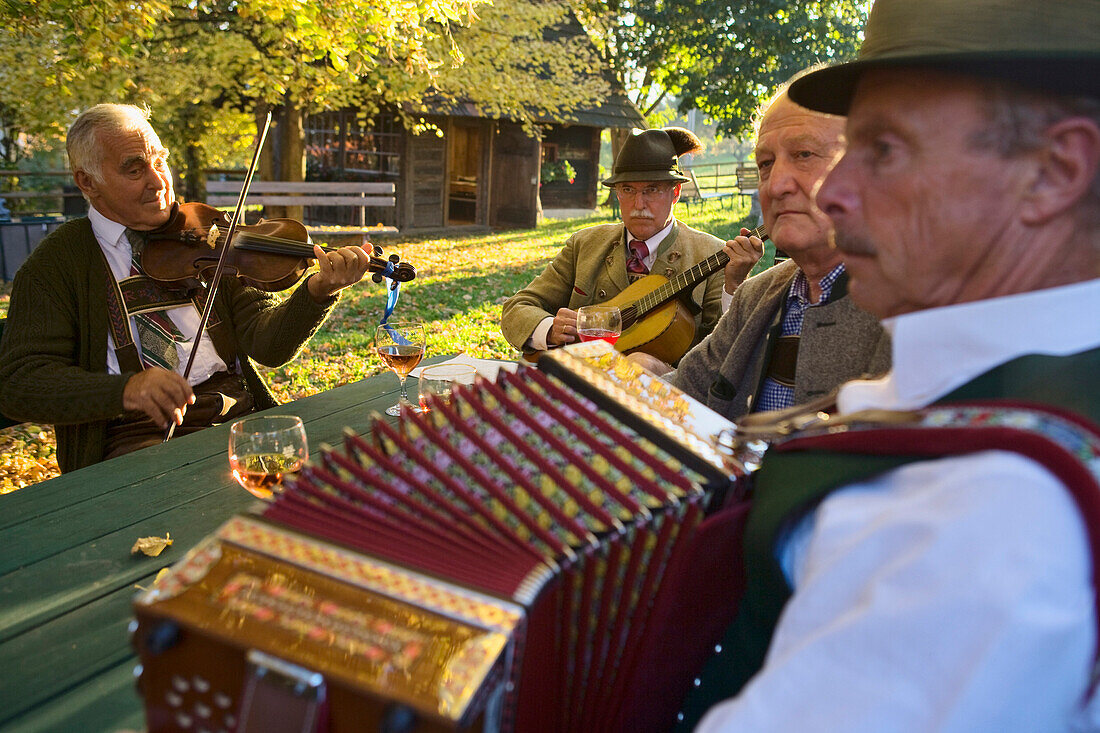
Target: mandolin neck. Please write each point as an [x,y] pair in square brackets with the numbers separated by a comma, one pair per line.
[683,282]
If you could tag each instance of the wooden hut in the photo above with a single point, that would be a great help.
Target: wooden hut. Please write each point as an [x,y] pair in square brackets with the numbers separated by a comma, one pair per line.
[472,170]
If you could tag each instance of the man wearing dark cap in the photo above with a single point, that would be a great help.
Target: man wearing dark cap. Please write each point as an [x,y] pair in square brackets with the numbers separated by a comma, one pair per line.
[927,558]
[599,262]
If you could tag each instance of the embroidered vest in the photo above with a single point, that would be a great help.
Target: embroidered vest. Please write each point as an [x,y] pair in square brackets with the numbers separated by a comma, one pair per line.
[1043,407]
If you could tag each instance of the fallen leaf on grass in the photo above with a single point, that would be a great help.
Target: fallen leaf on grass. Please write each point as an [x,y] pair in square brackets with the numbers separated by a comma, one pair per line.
[151,546]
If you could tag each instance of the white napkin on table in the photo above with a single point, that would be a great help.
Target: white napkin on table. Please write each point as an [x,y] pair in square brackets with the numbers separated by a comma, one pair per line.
[488,368]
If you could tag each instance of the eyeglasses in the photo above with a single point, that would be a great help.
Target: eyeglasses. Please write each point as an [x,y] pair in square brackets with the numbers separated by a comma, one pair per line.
[628,192]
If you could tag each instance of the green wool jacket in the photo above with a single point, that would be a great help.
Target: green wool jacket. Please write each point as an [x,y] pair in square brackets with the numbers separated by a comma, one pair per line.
[53,355]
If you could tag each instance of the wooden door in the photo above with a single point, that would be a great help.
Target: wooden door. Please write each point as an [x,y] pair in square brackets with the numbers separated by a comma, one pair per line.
[515,197]
[425,183]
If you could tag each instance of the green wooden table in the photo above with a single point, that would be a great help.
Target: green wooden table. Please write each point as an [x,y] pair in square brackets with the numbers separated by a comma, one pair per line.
[67,577]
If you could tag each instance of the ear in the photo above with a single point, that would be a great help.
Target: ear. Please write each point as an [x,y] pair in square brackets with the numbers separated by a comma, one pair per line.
[85,183]
[1066,166]
[676,192]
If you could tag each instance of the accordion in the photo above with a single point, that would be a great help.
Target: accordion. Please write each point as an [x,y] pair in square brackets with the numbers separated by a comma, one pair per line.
[552,551]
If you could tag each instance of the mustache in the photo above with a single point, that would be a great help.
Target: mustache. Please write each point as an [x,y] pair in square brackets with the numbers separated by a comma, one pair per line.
[640,214]
[851,244]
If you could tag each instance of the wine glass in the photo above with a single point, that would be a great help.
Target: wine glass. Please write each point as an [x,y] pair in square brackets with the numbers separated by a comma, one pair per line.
[400,345]
[437,381]
[599,322]
[265,450]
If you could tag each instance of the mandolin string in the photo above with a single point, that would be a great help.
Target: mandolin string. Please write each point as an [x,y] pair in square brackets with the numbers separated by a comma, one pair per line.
[713,263]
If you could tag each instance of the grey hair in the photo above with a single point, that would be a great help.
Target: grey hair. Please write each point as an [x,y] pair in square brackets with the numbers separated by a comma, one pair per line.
[1018,119]
[82,141]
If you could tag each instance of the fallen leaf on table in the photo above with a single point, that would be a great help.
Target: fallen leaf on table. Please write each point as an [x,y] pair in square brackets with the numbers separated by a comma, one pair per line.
[152,546]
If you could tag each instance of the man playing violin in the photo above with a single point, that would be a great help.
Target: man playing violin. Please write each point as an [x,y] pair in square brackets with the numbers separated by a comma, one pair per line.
[791,334]
[599,262]
[99,350]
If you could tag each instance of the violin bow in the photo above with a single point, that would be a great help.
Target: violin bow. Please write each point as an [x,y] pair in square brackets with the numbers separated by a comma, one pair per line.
[213,287]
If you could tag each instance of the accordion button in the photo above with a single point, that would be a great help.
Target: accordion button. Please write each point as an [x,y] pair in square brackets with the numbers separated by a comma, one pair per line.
[222,700]
[399,719]
[201,685]
[180,683]
[183,720]
[697,682]
[680,717]
[717,648]
[173,699]
[162,637]
[203,711]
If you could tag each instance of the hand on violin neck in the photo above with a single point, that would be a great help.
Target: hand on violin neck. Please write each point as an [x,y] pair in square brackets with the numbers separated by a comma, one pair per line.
[337,270]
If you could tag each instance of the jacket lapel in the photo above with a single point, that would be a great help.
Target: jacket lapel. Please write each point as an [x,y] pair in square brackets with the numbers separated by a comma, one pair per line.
[669,254]
[615,260]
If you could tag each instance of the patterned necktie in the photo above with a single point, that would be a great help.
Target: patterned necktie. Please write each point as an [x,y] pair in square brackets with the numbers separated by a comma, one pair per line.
[635,263]
[157,334]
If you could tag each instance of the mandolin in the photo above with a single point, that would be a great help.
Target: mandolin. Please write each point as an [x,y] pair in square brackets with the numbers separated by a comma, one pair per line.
[656,319]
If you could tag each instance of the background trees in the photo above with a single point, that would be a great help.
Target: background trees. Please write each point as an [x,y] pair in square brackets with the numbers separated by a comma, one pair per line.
[208,67]
[721,57]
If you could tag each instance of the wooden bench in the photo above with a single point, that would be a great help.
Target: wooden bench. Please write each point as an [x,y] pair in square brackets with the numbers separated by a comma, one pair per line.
[748,179]
[692,193]
[312,193]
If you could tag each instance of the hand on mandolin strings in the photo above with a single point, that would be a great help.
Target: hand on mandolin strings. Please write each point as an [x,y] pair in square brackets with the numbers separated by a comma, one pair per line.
[160,394]
[346,266]
[743,251]
[564,329]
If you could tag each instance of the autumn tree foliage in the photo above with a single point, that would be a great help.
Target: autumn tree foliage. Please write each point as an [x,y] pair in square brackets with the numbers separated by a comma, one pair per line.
[208,68]
[722,58]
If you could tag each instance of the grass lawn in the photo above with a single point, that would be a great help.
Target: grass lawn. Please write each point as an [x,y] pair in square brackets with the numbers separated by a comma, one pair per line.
[461,283]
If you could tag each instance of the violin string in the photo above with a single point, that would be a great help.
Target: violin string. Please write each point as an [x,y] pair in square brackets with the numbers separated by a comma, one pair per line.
[291,246]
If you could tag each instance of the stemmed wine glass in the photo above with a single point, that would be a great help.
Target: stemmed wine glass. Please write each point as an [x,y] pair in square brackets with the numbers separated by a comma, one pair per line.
[599,322]
[400,345]
[265,450]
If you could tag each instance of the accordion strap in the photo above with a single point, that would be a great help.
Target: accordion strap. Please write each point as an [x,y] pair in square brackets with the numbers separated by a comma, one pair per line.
[282,696]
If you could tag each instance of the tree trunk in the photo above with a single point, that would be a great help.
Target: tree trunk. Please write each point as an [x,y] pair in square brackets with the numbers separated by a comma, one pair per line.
[194,157]
[293,151]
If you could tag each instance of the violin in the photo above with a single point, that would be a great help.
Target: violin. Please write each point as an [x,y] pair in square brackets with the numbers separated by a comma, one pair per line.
[272,255]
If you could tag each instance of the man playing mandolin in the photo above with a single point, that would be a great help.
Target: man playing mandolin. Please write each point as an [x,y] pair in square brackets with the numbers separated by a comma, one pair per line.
[95,347]
[791,333]
[599,262]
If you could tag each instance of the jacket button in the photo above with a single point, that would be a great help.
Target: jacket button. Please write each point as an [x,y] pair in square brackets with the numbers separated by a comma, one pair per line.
[673,256]
[668,272]
[601,294]
[608,259]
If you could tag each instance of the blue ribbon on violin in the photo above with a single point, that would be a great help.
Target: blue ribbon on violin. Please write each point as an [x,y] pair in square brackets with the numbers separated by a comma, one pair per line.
[396,272]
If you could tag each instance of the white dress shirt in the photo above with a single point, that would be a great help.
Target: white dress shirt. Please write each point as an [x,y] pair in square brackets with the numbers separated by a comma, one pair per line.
[537,340]
[111,237]
[947,595]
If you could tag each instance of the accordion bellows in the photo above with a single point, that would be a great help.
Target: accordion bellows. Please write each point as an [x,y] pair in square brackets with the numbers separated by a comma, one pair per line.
[552,551]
